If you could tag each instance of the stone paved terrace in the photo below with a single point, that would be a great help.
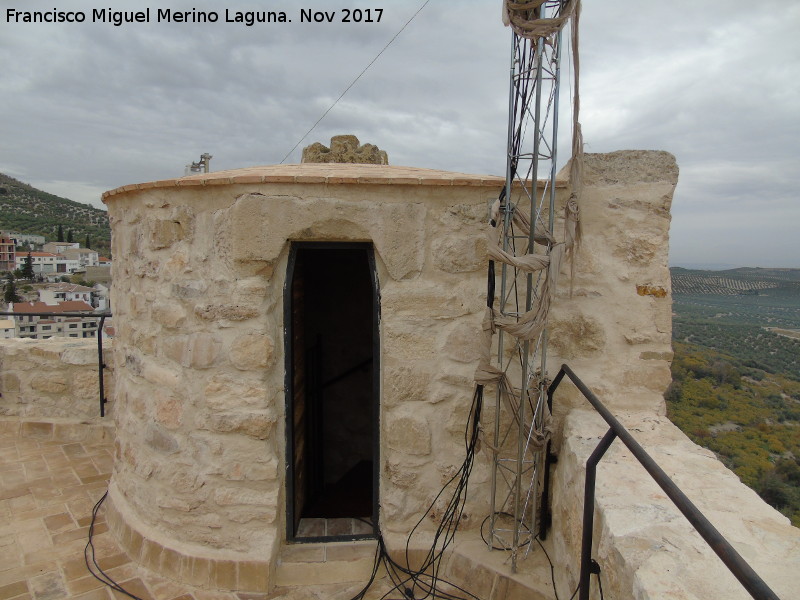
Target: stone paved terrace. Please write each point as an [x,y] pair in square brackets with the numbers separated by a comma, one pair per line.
[47,491]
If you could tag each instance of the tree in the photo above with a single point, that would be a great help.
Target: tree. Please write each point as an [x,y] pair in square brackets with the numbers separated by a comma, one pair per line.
[11,290]
[69,236]
[60,234]
[27,267]
[88,242]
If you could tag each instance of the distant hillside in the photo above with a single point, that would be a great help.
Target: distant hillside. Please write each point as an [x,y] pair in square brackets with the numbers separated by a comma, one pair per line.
[741,281]
[24,209]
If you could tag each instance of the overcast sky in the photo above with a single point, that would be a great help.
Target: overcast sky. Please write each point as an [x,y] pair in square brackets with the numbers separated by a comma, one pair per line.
[88,107]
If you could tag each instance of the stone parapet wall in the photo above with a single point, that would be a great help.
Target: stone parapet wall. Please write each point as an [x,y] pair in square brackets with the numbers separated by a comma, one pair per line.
[645,547]
[53,379]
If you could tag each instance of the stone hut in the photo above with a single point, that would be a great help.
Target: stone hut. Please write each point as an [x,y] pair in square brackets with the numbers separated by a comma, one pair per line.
[295,349]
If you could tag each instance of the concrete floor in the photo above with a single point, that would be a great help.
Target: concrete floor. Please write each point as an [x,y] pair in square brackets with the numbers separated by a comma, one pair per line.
[47,491]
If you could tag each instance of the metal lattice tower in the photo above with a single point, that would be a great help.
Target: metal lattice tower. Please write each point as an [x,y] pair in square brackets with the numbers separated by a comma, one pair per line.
[532,139]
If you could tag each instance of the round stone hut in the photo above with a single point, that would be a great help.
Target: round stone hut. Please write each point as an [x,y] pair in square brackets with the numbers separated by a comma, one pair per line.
[295,349]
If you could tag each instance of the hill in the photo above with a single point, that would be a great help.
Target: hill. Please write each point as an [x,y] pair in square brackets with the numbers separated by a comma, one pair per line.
[25,209]
[736,374]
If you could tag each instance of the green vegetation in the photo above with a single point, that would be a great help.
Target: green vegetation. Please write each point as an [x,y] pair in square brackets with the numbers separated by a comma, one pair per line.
[25,209]
[736,384]
[10,291]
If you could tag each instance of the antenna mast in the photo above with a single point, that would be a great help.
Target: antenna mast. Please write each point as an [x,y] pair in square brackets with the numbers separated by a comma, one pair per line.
[525,219]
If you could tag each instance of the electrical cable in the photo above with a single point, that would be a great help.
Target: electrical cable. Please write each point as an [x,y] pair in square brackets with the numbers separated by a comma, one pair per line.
[101,575]
[347,89]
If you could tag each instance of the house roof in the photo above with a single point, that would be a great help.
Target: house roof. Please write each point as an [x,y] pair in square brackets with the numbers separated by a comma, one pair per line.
[69,287]
[61,307]
[24,254]
[323,173]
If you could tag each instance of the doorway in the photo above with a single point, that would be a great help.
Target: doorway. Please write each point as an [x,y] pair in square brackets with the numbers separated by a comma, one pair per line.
[331,310]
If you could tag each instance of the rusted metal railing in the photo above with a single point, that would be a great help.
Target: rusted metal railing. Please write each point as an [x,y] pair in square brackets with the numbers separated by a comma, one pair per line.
[740,569]
[81,315]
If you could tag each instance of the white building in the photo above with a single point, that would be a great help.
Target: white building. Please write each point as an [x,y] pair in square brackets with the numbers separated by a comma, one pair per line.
[7,329]
[84,256]
[60,292]
[43,262]
[29,325]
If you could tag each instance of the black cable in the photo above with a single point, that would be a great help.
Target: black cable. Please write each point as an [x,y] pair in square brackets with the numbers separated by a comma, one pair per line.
[101,575]
[600,585]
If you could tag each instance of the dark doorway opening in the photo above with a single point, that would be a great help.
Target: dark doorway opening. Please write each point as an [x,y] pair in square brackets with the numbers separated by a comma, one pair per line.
[332,318]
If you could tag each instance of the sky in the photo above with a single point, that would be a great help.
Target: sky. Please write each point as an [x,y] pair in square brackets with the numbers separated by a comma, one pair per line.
[87,107]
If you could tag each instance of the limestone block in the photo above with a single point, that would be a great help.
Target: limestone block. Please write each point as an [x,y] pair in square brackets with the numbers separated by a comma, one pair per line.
[345,149]
[189,289]
[464,343]
[406,383]
[85,384]
[462,253]
[576,335]
[401,474]
[456,216]
[185,481]
[236,496]
[48,384]
[254,217]
[224,392]
[263,470]
[169,314]
[159,439]
[85,355]
[203,350]
[227,312]
[408,431]
[252,351]
[160,376]
[168,409]
[256,424]
[627,167]
[10,382]
[428,299]
[198,350]
[168,231]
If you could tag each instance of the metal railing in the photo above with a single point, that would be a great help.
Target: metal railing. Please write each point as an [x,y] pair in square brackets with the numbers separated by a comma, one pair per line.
[82,315]
[740,569]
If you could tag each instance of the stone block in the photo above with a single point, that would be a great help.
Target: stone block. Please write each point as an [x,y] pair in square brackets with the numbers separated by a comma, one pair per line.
[253,576]
[576,335]
[169,314]
[225,312]
[464,253]
[253,424]
[406,383]
[252,351]
[463,344]
[224,392]
[168,409]
[160,440]
[242,496]
[408,432]
[168,231]
[10,382]
[49,383]
[85,355]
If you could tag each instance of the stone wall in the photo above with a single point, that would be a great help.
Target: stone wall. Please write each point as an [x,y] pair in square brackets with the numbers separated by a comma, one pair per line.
[615,333]
[54,379]
[199,275]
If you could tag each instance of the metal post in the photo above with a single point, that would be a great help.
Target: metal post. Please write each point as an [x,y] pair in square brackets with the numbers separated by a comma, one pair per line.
[100,367]
[588,511]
